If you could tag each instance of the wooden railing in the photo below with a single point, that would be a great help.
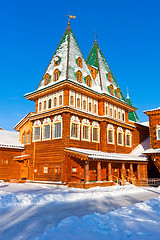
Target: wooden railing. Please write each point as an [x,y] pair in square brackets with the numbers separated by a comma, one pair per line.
[118,180]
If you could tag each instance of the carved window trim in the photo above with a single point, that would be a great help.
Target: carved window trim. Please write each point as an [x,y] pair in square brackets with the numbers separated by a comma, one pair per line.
[74,122]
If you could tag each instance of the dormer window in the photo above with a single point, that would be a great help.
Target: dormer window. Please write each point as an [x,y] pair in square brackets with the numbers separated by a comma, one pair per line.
[56,61]
[111,90]
[79,77]
[118,93]
[109,77]
[56,75]
[79,62]
[46,79]
[88,81]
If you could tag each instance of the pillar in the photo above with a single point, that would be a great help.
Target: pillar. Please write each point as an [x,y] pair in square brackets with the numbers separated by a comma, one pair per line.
[109,172]
[131,170]
[138,171]
[123,169]
[98,171]
[86,171]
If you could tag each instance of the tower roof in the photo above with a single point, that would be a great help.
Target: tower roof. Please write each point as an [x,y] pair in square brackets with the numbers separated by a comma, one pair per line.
[68,52]
[132,115]
[97,60]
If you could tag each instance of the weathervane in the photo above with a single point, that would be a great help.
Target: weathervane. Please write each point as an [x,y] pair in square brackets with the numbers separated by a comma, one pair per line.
[127,93]
[69,17]
[95,36]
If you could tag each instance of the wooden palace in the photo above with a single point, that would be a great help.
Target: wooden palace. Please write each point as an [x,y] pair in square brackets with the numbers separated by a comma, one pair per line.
[83,130]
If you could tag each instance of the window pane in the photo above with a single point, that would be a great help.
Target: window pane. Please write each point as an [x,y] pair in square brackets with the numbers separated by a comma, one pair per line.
[95,134]
[120,138]
[74,130]
[29,138]
[158,134]
[85,132]
[47,132]
[57,130]
[128,140]
[37,133]
[110,136]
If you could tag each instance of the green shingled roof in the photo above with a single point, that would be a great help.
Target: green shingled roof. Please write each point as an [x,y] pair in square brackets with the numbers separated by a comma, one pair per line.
[132,115]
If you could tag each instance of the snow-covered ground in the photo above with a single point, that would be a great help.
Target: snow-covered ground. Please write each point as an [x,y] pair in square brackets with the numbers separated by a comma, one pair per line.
[43,212]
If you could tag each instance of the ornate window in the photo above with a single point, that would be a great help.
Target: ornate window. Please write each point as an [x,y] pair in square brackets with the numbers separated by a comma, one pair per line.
[74,128]
[78,103]
[120,136]
[60,100]
[56,61]
[79,76]
[118,93]
[56,75]
[158,132]
[72,100]
[55,102]
[28,138]
[95,132]
[44,105]
[119,114]
[110,134]
[40,107]
[115,113]
[49,103]
[57,127]
[85,130]
[109,77]
[46,79]
[123,115]
[90,107]
[106,109]
[89,81]
[95,108]
[79,62]
[37,131]
[24,138]
[111,90]
[47,129]
[84,105]
[128,136]
[111,111]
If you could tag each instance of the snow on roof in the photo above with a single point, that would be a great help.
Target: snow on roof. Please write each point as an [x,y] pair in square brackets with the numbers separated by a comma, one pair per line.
[10,139]
[107,156]
[140,149]
[146,124]
[151,150]
[152,109]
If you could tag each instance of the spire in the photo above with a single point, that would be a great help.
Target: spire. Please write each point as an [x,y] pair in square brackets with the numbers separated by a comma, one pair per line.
[128,94]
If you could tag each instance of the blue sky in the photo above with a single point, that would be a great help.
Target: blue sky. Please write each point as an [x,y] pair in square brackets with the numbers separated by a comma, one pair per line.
[128,34]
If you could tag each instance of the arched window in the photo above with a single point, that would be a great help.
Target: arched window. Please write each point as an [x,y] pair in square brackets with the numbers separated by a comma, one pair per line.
[79,77]
[85,130]
[120,136]
[37,131]
[128,136]
[46,79]
[79,62]
[118,93]
[72,101]
[95,132]
[111,90]
[115,113]
[78,102]
[56,75]
[109,77]
[95,108]
[57,127]
[60,100]
[55,102]
[45,105]
[111,112]
[24,138]
[49,103]
[106,109]
[110,134]
[89,81]
[47,129]
[40,106]
[84,105]
[90,106]
[74,128]
[123,115]
[28,138]
[56,61]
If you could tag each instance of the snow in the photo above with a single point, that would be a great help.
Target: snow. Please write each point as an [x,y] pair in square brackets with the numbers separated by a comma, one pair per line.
[105,155]
[141,148]
[44,211]
[10,139]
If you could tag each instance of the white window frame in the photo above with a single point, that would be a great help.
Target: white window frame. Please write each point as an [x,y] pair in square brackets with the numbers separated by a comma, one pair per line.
[78,96]
[115,109]
[46,122]
[86,123]
[128,133]
[45,169]
[106,105]
[75,120]
[90,101]
[71,94]
[119,111]
[123,112]
[57,119]
[120,130]
[60,93]
[96,126]
[36,124]
[157,130]
[95,103]
[110,128]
